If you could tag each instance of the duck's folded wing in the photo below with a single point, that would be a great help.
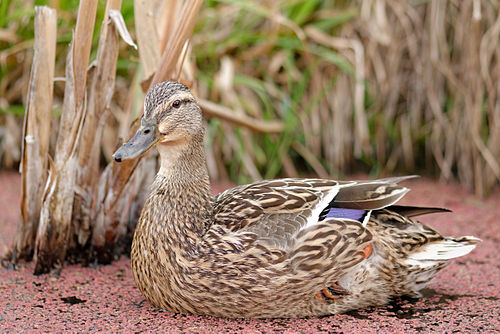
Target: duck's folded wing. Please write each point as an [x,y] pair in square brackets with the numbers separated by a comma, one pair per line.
[278,210]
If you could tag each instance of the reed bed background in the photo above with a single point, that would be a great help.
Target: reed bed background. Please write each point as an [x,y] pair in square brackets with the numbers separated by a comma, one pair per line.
[373,86]
[291,88]
[376,86]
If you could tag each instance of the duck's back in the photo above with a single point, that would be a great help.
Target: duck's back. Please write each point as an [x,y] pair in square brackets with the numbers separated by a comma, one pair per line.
[287,248]
[354,246]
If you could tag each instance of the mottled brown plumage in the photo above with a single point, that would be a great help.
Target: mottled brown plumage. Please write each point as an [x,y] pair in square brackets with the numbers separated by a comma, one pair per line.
[279,248]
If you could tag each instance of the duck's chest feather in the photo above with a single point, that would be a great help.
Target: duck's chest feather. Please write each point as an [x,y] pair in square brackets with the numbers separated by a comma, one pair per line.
[183,265]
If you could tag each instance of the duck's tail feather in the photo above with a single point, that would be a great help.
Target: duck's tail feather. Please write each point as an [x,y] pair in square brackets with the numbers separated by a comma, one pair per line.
[442,251]
[397,179]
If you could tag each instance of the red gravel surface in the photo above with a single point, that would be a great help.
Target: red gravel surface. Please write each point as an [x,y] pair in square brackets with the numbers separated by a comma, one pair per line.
[464,298]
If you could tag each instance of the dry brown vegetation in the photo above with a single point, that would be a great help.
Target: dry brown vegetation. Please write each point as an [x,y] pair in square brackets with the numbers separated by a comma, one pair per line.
[401,87]
[315,87]
[76,201]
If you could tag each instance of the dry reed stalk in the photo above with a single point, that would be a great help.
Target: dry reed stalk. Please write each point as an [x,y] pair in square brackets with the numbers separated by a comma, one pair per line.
[100,91]
[224,83]
[36,132]
[338,135]
[311,159]
[147,34]
[55,230]
[114,198]
[211,109]
[181,33]
[431,71]
[312,135]
[8,36]
[445,99]
[167,21]
[491,74]
[362,144]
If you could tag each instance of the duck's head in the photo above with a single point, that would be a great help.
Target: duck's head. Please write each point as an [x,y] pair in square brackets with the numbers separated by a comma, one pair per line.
[171,117]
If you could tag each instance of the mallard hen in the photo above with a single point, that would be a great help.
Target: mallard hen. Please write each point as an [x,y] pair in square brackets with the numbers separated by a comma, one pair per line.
[279,248]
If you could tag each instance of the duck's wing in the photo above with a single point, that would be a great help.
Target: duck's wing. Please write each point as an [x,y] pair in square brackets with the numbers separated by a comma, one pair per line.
[413,211]
[280,212]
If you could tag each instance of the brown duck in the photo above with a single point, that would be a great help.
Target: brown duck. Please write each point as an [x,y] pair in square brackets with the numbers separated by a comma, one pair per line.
[278,248]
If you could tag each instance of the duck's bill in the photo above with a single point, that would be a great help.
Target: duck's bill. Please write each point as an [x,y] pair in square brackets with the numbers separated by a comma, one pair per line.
[145,138]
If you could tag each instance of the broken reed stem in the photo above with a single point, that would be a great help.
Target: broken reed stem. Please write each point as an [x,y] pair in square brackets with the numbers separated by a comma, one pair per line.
[112,208]
[100,92]
[168,20]
[182,32]
[211,109]
[36,133]
[147,35]
[54,230]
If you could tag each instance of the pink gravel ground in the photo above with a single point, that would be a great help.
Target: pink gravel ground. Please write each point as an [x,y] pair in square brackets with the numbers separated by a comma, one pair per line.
[465,297]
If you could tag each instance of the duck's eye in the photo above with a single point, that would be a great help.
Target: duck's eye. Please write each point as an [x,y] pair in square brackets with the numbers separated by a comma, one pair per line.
[176,104]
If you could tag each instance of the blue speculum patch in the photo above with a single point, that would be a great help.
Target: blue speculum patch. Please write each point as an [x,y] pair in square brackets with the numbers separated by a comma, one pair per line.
[344,214]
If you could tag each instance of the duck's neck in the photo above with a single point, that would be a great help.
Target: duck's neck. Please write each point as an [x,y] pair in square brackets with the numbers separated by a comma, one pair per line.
[180,202]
